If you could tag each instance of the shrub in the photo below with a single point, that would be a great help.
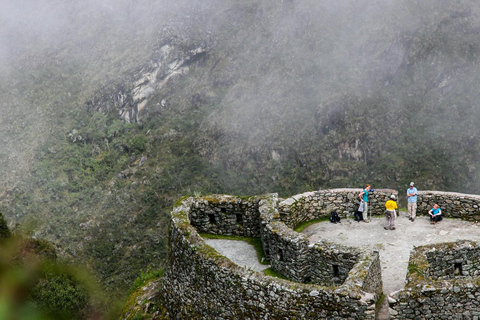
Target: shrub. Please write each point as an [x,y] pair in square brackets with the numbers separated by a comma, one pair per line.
[60,296]
[4,230]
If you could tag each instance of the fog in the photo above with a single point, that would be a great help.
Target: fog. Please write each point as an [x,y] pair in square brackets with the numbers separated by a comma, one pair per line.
[287,96]
[315,59]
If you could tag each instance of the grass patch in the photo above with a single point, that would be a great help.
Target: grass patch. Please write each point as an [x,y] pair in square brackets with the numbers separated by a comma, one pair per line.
[146,277]
[272,273]
[379,304]
[255,242]
[303,225]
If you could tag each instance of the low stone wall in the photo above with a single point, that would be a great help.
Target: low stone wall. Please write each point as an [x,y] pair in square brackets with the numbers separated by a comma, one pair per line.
[330,263]
[199,283]
[319,204]
[435,288]
[454,205]
[291,254]
[454,260]
[226,215]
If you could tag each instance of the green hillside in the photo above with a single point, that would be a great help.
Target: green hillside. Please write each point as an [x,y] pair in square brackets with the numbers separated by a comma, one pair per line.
[223,97]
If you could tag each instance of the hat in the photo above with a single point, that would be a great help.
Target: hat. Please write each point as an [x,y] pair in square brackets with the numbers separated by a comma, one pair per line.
[411,184]
[392,197]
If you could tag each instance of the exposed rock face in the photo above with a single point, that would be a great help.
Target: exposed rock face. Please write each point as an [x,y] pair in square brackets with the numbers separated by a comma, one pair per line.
[171,59]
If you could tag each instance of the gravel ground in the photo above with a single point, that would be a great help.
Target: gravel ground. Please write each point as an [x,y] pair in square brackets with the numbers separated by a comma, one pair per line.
[394,245]
[240,252]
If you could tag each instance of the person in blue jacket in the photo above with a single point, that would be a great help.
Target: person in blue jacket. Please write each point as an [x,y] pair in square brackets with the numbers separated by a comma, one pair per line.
[364,199]
[412,201]
[435,214]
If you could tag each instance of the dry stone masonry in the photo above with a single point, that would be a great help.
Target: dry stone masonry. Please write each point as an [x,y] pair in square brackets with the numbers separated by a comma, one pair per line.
[319,204]
[325,280]
[202,284]
[442,282]
[454,205]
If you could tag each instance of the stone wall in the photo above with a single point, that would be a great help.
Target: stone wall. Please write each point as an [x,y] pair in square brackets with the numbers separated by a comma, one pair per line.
[327,280]
[202,284]
[291,254]
[454,205]
[226,215]
[319,204]
[442,281]
[330,263]
[454,260]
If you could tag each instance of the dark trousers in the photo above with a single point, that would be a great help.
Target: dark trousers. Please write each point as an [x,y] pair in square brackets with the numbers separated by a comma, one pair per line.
[436,218]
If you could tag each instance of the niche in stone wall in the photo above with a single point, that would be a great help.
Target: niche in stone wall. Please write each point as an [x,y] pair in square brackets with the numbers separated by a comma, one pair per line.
[211,218]
[457,269]
[280,255]
[239,217]
[336,271]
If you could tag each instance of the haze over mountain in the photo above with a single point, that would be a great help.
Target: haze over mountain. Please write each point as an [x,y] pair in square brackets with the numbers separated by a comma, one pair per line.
[112,110]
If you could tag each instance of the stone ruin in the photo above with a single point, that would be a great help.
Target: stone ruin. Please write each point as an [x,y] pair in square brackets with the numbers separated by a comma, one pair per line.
[443,282]
[323,280]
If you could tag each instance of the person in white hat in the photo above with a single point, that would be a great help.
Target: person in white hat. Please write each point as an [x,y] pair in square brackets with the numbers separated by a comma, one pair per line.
[390,213]
[412,201]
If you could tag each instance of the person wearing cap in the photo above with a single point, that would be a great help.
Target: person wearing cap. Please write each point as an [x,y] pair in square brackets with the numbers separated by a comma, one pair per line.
[390,213]
[412,202]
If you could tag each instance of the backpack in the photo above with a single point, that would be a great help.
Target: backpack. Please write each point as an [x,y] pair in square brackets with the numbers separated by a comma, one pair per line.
[358,215]
[334,218]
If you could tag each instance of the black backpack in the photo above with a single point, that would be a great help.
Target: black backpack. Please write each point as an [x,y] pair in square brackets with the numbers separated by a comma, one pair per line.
[358,215]
[334,218]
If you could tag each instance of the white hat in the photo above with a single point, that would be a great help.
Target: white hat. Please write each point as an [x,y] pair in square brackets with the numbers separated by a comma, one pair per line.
[392,197]
[411,184]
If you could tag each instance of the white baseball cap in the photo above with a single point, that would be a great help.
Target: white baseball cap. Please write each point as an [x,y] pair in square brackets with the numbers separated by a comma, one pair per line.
[411,184]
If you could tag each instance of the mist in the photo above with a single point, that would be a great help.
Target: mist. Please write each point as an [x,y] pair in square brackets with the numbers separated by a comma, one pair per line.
[284,96]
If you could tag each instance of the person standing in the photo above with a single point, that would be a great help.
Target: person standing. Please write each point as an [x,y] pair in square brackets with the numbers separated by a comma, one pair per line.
[412,201]
[390,213]
[364,199]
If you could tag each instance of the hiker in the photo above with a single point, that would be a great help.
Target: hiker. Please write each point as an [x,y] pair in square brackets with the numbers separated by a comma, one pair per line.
[435,214]
[364,200]
[390,213]
[412,201]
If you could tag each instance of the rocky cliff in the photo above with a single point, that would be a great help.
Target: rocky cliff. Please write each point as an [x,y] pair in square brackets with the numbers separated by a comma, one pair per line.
[116,109]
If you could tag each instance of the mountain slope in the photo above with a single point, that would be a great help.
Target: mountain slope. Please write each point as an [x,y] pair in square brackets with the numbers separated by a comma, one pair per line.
[117,109]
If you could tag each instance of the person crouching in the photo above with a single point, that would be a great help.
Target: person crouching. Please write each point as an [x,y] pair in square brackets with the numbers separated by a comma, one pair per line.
[390,213]
[435,214]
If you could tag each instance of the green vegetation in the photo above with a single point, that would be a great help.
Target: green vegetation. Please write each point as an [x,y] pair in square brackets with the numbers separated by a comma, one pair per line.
[272,273]
[306,224]
[146,277]
[282,101]
[34,285]
[4,230]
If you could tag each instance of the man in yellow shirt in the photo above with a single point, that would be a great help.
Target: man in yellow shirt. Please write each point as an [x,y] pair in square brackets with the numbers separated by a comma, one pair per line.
[390,213]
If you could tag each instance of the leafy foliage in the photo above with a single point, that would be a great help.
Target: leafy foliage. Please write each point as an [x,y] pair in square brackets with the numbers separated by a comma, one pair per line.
[282,101]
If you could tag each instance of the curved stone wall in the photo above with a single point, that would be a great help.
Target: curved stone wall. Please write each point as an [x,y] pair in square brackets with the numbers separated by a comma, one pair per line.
[200,283]
[291,253]
[442,281]
[327,280]
[454,205]
[319,204]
